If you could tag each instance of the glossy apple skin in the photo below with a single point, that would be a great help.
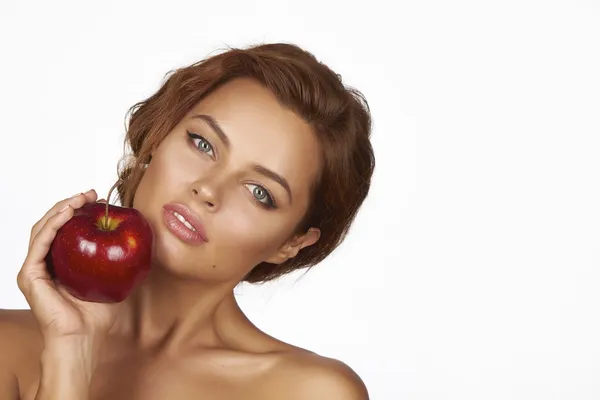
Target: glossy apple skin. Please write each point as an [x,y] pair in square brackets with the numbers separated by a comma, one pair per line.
[102,265]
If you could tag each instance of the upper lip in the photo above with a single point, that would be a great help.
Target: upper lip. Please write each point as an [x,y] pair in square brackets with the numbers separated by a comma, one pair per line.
[190,216]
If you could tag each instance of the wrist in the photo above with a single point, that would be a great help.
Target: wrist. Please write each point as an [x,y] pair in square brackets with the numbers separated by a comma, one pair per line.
[67,369]
[77,355]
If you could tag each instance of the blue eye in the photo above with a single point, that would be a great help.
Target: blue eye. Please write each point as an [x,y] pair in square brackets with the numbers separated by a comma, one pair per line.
[262,195]
[201,143]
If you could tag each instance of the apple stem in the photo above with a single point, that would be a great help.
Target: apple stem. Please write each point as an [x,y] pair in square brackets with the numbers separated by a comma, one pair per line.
[105,221]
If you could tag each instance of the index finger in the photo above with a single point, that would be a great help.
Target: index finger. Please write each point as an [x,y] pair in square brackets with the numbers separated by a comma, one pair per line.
[76,201]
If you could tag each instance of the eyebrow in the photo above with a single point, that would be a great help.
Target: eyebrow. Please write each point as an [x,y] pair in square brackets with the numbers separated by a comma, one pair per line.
[274,176]
[215,127]
[255,167]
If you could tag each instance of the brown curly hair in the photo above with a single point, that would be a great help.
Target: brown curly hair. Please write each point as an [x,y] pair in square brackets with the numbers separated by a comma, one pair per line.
[339,116]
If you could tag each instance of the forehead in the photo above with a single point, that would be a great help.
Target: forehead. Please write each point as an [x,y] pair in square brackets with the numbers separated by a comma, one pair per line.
[262,131]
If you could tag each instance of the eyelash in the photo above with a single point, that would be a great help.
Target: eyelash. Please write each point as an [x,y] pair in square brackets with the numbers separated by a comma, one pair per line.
[270,204]
[194,136]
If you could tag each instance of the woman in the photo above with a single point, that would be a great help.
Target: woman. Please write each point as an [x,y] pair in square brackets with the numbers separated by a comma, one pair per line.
[269,154]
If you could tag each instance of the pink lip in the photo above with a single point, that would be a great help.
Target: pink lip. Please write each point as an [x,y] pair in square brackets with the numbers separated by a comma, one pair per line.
[179,229]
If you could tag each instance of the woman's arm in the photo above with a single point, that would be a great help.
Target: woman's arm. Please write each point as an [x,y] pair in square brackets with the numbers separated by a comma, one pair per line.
[312,377]
[331,381]
[66,371]
[69,327]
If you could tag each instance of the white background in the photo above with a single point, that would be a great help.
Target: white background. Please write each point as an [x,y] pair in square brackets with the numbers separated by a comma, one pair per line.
[472,270]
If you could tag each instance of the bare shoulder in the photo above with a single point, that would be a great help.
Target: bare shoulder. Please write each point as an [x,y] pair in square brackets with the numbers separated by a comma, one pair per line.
[17,326]
[20,345]
[303,375]
[20,338]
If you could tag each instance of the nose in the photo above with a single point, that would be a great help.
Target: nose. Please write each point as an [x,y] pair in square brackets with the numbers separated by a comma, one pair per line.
[206,194]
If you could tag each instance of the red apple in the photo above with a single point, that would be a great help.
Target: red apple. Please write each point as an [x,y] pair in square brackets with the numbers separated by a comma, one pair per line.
[102,253]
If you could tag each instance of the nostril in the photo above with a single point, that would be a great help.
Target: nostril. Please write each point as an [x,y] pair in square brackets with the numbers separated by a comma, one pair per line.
[204,198]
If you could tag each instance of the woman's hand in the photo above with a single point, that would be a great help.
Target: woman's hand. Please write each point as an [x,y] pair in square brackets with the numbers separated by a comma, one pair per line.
[60,315]
[72,329]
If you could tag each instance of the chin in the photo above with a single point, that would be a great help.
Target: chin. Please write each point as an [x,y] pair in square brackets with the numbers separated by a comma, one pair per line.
[172,255]
[182,261]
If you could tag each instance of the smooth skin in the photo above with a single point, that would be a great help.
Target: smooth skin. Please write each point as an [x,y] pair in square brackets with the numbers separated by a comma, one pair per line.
[181,334]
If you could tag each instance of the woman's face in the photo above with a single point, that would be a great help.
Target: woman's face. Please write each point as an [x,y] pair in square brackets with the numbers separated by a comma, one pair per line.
[243,165]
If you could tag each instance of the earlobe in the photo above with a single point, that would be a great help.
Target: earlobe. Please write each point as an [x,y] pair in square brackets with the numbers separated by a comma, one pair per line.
[291,248]
[147,163]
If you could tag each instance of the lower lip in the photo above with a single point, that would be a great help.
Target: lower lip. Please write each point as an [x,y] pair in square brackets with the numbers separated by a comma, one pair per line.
[178,229]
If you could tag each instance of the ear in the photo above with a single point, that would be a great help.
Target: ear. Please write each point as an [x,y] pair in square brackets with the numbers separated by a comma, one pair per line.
[291,248]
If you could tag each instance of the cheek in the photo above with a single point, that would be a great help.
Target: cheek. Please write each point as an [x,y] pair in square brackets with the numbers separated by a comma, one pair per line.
[149,185]
[252,235]
[167,174]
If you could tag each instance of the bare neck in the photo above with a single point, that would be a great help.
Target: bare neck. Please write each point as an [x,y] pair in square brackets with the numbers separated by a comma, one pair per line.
[173,313]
